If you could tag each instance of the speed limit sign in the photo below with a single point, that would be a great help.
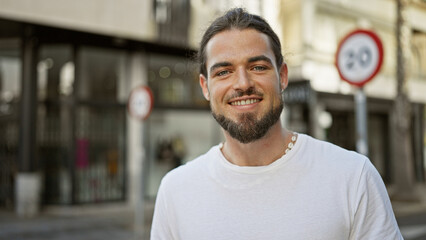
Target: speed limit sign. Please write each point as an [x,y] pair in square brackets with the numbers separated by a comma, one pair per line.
[140,102]
[359,57]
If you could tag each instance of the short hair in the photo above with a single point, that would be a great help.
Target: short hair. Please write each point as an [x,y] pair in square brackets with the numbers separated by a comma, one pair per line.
[238,18]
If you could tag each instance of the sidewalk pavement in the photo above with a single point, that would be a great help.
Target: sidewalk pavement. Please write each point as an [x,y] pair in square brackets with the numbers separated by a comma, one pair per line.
[83,223]
[411,219]
[408,207]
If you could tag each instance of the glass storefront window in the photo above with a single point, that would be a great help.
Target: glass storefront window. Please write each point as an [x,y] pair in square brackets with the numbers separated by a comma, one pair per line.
[174,82]
[10,71]
[81,124]
[99,161]
[100,121]
[55,72]
[54,121]
[176,137]
[10,91]
[101,74]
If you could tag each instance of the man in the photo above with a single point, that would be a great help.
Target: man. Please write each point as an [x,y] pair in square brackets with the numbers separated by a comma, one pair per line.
[264,181]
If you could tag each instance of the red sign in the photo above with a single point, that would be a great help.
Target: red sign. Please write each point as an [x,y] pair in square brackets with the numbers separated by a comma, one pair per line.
[140,102]
[359,57]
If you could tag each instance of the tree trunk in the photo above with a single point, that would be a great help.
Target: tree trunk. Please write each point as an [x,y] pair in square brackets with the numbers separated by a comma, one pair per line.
[404,165]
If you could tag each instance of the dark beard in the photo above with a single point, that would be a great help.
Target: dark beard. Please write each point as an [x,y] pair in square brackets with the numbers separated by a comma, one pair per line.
[250,129]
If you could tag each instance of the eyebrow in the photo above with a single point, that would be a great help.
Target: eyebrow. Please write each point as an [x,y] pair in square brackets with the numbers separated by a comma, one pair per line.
[260,58]
[219,64]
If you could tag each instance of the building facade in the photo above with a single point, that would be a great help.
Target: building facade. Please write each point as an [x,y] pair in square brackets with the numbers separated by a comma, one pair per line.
[66,71]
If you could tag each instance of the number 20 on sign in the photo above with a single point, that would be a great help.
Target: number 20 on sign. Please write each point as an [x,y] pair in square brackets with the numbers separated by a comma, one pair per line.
[359,57]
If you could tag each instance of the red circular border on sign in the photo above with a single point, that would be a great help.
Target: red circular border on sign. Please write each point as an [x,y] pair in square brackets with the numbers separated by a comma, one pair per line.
[379,45]
[151,96]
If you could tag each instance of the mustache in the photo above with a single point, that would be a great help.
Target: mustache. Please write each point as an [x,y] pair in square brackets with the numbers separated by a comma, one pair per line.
[247,92]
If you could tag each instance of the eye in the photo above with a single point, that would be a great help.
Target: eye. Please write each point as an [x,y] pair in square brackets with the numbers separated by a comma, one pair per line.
[259,68]
[222,73]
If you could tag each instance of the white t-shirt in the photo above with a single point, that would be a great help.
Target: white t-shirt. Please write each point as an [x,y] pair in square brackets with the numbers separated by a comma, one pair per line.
[316,191]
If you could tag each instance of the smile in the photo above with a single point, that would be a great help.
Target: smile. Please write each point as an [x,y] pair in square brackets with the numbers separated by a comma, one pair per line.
[244,102]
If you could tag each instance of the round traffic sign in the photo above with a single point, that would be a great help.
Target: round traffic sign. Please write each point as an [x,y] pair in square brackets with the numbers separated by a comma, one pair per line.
[359,57]
[140,102]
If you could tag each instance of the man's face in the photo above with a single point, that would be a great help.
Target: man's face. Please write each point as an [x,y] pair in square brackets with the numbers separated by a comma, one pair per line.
[243,83]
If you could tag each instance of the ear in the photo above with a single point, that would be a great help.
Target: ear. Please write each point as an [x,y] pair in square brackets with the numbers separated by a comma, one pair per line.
[283,76]
[204,87]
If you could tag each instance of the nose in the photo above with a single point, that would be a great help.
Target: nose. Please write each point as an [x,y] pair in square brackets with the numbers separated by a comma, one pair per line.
[243,80]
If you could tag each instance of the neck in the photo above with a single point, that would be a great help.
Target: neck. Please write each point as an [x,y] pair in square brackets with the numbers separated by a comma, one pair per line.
[261,152]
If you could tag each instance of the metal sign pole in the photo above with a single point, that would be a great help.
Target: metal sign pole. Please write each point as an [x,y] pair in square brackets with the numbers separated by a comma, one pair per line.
[140,230]
[361,122]
[359,58]
[140,105]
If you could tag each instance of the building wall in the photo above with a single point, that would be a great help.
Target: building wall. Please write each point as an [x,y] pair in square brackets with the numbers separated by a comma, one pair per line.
[131,19]
[204,11]
[312,31]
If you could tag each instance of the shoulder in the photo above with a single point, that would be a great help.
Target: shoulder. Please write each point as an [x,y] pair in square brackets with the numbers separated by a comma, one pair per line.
[330,158]
[190,173]
[329,151]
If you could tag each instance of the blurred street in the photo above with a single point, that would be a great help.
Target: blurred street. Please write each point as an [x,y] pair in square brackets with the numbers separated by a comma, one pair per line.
[86,223]
[413,227]
[411,219]
[117,224]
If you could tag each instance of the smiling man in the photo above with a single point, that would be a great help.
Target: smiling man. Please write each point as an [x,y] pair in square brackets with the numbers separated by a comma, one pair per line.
[264,181]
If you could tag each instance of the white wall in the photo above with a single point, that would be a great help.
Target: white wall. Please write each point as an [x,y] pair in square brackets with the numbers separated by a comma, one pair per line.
[125,18]
[203,12]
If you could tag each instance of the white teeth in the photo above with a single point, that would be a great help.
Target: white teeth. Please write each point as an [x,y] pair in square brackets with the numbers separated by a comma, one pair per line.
[244,102]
